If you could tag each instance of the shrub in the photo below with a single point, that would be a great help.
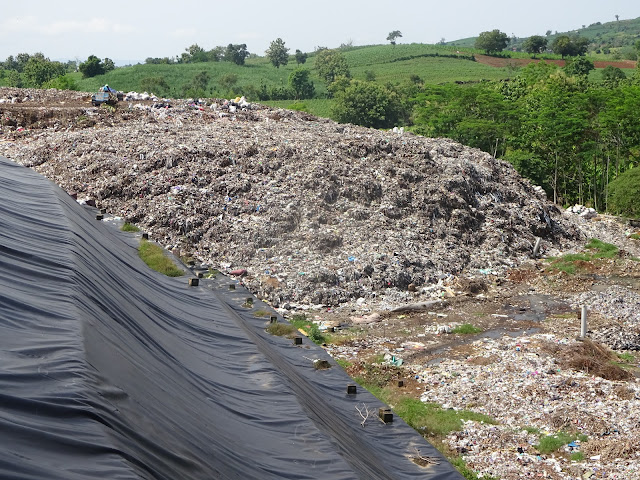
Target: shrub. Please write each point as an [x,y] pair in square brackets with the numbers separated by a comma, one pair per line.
[63,82]
[300,83]
[624,194]
[311,329]
[367,104]
[298,107]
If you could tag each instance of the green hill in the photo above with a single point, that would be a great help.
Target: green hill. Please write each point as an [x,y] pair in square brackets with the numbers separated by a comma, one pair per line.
[384,63]
[617,39]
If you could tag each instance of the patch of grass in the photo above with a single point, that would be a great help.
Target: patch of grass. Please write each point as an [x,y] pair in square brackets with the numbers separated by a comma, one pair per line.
[552,443]
[466,329]
[429,419]
[129,227]
[310,328]
[574,262]
[627,357]
[378,358]
[635,236]
[154,256]
[298,106]
[281,329]
[432,419]
[466,472]
[343,363]
[260,313]
[602,249]
[533,430]
[577,456]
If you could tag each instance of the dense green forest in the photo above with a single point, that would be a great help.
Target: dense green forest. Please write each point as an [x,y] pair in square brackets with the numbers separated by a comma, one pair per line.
[572,129]
[565,133]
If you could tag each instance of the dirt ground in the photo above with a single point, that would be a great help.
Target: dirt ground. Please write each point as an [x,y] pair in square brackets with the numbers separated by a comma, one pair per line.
[531,299]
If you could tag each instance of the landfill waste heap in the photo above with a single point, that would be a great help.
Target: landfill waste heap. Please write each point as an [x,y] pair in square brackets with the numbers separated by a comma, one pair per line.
[316,212]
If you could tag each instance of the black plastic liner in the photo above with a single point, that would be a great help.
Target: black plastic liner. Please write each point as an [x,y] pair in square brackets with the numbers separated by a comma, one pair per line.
[110,370]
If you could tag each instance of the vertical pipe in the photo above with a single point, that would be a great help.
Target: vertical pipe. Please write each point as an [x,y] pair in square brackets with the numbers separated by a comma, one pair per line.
[583,322]
[536,247]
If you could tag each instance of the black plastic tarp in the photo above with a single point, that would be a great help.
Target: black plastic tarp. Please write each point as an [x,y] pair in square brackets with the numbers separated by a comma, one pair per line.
[110,370]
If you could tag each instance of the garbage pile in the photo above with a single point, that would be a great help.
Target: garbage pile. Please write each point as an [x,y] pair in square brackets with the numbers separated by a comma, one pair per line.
[11,95]
[621,305]
[585,212]
[316,212]
[524,389]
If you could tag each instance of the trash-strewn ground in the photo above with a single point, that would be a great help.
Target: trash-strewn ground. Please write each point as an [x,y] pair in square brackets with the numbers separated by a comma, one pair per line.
[346,224]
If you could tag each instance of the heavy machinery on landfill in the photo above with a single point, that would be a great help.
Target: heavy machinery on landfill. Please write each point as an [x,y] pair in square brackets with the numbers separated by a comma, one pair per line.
[106,95]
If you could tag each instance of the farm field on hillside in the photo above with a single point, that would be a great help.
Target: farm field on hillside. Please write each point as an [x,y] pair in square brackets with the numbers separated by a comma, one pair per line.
[433,70]
[377,54]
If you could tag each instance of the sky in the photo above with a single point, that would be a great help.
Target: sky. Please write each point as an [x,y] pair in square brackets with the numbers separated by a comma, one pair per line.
[131,31]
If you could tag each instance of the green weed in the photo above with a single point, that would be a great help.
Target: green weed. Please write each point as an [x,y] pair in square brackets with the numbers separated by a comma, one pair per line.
[466,472]
[552,443]
[260,313]
[627,357]
[281,329]
[154,256]
[602,249]
[343,363]
[129,227]
[212,273]
[432,419]
[311,329]
[635,236]
[577,456]
[466,329]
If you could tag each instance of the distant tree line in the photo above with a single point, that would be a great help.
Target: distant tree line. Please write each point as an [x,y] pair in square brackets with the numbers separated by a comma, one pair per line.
[37,71]
[236,53]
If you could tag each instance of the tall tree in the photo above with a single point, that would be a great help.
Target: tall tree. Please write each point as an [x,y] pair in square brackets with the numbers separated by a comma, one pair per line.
[579,67]
[492,42]
[535,44]
[277,53]
[91,67]
[331,64]
[300,57]
[391,38]
[236,53]
[569,46]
